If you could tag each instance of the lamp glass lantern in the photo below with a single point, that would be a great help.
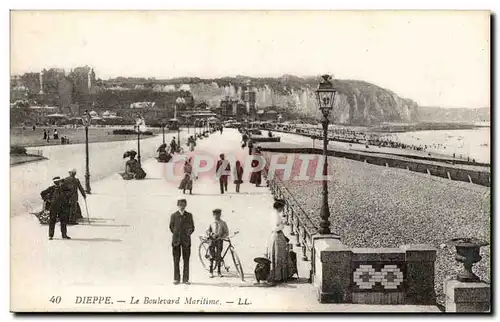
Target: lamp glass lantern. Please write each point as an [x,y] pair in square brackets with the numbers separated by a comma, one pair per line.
[86,118]
[325,94]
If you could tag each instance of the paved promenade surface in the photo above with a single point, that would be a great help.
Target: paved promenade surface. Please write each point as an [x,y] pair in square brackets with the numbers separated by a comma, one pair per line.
[125,252]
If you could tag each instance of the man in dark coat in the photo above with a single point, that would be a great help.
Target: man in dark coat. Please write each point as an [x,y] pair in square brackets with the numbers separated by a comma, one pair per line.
[74,185]
[57,199]
[250,146]
[181,226]
[173,146]
[222,170]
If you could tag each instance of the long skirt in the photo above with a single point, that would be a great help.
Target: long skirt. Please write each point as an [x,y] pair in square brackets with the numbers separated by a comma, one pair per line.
[256,178]
[127,175]
[277,253]
[75,212]
[186,183]
[140,174]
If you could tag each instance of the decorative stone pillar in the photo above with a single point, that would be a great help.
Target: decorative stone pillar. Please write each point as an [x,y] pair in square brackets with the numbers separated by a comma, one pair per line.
[331,269]
[420,267]
[466,292]
[467,296]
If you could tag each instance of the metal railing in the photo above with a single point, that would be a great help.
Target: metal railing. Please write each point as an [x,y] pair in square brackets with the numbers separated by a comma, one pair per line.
[300,223]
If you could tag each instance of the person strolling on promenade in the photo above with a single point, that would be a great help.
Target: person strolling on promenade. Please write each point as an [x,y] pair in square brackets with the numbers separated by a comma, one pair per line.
[282,267]
[238,175]
[222,170]
[45,134]
[173,146]
[56,196]
[217,232]
[256,176]
[191,143]
[181,226]
[250,146]
[73,184]
[244,139]
[187,181]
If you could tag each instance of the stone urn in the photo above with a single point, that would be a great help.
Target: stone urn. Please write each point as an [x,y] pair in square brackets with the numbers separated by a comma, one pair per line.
[467,254]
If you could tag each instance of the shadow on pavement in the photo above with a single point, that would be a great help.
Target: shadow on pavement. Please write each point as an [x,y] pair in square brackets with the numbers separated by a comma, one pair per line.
[282,285]
[251,193]
[97,240]
[219,284]
[94,224]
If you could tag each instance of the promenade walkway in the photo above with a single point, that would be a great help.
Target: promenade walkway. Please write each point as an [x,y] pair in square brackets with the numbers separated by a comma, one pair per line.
[125,252]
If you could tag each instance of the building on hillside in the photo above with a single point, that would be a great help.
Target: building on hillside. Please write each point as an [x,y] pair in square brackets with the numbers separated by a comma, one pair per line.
[83,80]
[267,115]
[143,105]
[185,87]
[228,107]
[107,114]
[249,97]
[202,106]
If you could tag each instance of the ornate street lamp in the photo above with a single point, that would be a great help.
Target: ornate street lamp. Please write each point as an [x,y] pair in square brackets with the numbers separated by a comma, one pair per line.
[325,94]
[86,122]
[138,122]
[163,130]
[178,102]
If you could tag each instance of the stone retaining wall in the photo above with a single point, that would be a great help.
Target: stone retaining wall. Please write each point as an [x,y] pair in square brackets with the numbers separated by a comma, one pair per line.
[431,168]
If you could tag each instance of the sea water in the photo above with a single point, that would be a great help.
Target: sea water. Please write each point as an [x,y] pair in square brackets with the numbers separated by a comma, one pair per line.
[474,144]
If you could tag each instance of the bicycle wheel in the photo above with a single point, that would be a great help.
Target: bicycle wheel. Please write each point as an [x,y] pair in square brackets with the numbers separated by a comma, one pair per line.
[204,255]
[237,264]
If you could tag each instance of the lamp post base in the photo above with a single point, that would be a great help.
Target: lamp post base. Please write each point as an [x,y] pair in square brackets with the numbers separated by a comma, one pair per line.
[87,184]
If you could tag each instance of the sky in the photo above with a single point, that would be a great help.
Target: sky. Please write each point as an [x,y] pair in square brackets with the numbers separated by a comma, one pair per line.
[436,58]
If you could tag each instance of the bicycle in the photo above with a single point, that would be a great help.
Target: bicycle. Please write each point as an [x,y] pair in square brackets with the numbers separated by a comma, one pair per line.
[204,255]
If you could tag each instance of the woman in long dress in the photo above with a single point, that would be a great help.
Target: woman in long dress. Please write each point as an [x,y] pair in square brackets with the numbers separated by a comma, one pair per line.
[256,176]
[238,175]
[277,246]
[163,155]
[187,181]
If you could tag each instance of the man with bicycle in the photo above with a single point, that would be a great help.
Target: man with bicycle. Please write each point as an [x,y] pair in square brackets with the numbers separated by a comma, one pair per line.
[217,232]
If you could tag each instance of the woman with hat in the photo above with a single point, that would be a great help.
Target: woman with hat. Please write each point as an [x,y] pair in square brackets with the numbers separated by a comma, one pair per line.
[163,155]
[277,247]
[187,181]
[132,168]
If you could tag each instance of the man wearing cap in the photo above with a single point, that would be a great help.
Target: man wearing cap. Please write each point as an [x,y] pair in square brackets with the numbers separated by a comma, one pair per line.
[181,226]
[73,184]
[216,232]
[56,197]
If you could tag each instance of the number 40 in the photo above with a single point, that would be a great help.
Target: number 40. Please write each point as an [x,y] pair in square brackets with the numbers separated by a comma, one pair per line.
[55,299]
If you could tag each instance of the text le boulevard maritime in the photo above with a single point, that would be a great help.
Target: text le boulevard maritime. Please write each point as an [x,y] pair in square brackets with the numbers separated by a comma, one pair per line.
[159,300]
